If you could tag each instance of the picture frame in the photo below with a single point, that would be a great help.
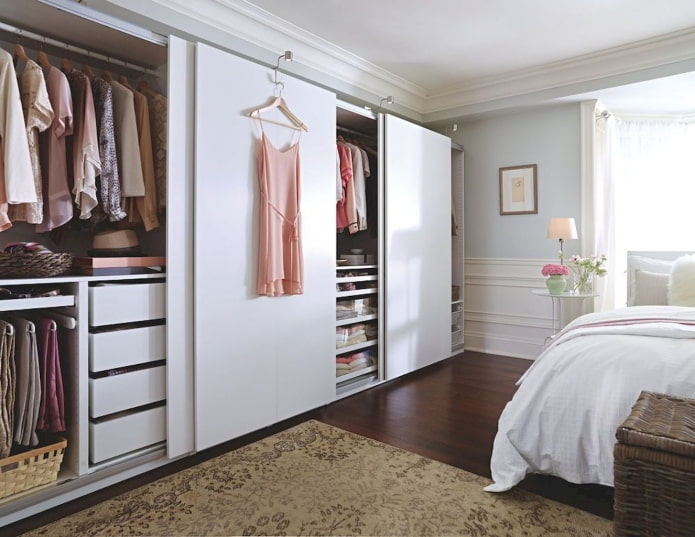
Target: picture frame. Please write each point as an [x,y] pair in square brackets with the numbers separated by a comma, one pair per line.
[519,189]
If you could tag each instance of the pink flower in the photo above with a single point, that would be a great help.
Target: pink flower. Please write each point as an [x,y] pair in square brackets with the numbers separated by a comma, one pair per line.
[551,269]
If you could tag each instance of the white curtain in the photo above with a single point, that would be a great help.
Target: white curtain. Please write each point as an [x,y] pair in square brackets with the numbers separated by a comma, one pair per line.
[604,201]
[644,189]
[597,233]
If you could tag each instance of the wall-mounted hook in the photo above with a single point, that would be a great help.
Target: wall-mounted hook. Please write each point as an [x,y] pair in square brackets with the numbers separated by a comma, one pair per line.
[389,100]
[288,57]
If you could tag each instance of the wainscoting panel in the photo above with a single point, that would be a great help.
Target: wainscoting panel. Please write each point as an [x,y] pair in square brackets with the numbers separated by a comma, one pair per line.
[501,314]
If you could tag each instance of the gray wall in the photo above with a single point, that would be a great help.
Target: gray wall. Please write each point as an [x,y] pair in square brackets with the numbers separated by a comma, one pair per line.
[548,137]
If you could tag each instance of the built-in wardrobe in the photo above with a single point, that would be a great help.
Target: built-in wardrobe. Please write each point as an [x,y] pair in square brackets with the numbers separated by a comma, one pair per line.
[225,361]
[125,340]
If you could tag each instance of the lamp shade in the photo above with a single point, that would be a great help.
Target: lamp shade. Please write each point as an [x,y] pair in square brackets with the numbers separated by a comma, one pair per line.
[562,228]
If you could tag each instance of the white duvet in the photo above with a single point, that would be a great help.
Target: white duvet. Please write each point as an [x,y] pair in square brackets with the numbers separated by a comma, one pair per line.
[563,417]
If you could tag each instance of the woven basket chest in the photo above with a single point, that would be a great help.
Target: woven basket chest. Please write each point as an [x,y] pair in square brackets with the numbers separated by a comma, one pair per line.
[655,469]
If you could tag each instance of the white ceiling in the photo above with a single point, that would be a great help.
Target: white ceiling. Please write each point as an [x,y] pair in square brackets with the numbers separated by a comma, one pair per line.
[445,46]
[440,44]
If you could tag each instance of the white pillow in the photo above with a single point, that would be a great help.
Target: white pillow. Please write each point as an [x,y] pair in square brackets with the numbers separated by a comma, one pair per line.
[651,288]
[681,288]
[648,264]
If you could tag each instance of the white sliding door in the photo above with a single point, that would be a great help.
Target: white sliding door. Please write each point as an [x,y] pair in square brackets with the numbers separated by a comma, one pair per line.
[258,359]
[418,246]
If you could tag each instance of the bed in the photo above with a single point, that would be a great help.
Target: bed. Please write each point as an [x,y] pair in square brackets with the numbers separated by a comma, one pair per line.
[569,403]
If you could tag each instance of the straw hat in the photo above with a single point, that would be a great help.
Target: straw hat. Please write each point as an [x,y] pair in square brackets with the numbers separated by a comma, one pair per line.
[115,243]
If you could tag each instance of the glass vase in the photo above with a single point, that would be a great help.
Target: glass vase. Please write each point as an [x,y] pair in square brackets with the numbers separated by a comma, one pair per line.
[583,284]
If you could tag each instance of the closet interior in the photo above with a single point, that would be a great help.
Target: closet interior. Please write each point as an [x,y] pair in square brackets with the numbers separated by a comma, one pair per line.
[457,252]
[89,347]
[359,356]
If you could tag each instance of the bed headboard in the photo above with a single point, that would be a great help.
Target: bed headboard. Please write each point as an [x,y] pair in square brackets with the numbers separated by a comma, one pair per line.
[647,276]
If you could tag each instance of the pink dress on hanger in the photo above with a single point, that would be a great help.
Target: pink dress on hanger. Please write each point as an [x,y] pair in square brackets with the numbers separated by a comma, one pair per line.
[280,263]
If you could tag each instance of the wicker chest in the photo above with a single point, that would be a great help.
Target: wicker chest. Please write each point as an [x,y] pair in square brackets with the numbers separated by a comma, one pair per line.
[655,468]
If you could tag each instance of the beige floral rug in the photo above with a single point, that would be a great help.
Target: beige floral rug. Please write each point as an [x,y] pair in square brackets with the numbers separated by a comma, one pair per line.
[315,479]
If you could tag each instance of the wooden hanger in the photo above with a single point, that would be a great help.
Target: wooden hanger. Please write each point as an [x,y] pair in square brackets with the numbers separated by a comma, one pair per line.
[124,80]
[20,54]
[87,70]
[106,75]
[281,105]
[42,60]
[66,65]
[144,87]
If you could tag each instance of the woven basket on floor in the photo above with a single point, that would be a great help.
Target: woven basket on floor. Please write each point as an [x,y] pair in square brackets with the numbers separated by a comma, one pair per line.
[655,468]
[32,265]
[30,469]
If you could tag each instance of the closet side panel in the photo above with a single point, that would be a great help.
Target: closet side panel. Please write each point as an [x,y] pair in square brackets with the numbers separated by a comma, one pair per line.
[180,396]
[418,246]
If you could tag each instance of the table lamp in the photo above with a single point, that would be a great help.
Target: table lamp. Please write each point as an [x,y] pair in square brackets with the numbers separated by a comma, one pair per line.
[562,229]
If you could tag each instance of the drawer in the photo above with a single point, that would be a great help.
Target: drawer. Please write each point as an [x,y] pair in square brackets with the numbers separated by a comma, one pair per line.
[122,348]
[122,435]
[126,303]
[127,390]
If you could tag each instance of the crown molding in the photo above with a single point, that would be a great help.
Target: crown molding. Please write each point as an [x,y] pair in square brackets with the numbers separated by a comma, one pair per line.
[337,68]
[641,55]
[262,29]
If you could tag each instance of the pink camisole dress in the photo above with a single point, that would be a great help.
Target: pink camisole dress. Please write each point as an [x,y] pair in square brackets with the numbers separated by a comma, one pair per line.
[280,262]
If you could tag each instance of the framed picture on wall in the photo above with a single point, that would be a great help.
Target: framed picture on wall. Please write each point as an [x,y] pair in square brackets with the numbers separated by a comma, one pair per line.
[519,189]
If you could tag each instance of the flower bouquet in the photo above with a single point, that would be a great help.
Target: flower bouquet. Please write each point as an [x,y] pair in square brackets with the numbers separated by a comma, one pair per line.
[584,269]
[557,280]
[555,270]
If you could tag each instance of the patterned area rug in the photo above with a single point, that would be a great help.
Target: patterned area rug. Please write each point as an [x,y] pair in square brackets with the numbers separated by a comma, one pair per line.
[315,479]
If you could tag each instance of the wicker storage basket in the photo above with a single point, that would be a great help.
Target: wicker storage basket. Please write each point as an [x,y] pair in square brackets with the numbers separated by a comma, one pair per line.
[655,468]
[30,469]
[32,265]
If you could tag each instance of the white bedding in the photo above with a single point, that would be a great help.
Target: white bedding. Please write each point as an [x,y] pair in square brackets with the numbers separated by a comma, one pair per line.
[563,417]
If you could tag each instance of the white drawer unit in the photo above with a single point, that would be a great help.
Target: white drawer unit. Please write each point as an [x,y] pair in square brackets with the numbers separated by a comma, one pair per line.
[116,303]
[118,436]
[108,395]
[123,348]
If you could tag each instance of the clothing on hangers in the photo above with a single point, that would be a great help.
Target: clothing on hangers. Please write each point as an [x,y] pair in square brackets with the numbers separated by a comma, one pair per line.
[85,145]
[16,175]
[144,208]
[38,116]
[280,260]
[158,127]
[28,385]
[57,207]
[110,183]
[51,415]
[7,387]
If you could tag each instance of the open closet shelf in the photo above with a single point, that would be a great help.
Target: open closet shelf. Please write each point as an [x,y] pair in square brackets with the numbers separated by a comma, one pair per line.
[358,346]
[353,267]
[355,374]
[358,319]
[16,304]
[356,292]
[368,278]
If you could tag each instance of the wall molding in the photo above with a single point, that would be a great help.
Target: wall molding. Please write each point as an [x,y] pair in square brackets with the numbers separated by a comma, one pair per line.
[501,315]
[666,49]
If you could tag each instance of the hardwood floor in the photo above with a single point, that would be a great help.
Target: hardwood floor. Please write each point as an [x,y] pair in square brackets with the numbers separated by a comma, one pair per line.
[447,412]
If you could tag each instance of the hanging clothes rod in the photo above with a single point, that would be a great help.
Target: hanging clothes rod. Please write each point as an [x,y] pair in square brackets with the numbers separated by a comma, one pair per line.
[358,133]
[72,48]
